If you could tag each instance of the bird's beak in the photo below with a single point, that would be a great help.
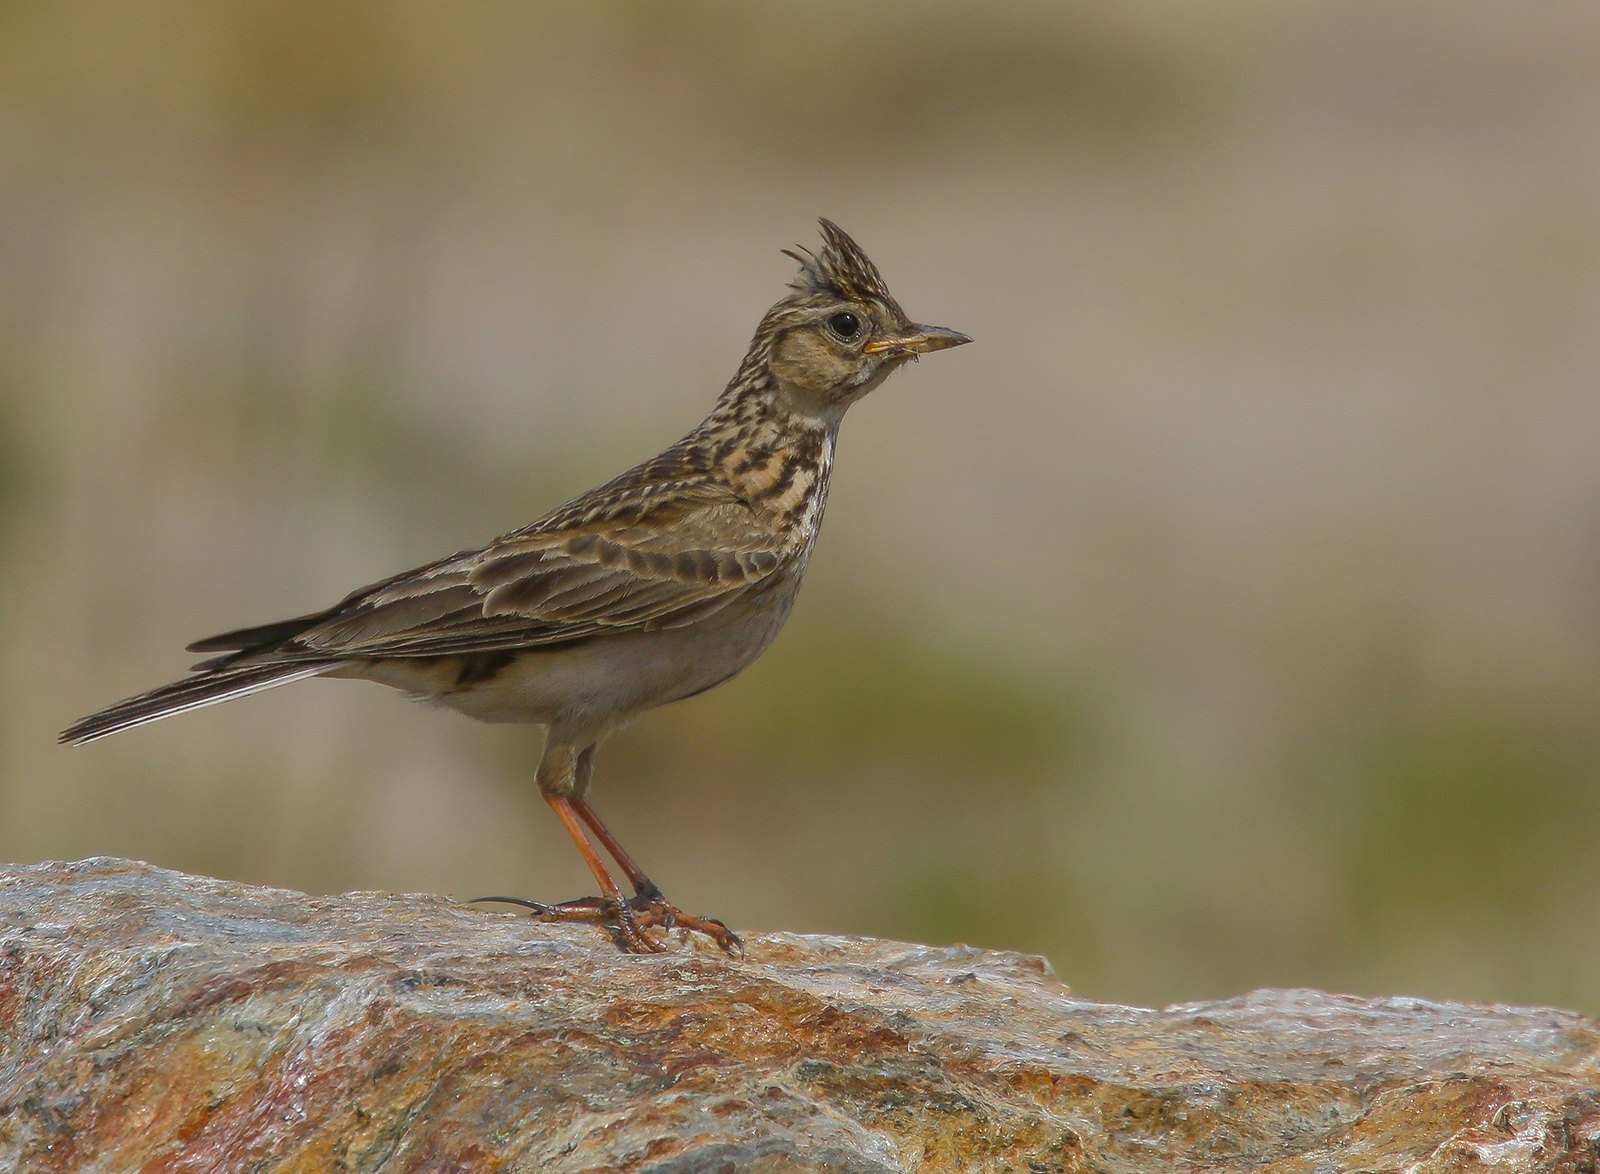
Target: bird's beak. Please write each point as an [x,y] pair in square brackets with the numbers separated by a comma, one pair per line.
[917,340]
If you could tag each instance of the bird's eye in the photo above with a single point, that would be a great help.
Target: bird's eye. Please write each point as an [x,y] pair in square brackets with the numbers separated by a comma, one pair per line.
[846,325]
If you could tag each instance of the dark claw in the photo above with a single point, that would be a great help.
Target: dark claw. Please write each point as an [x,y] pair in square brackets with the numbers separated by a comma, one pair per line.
[723,936]
[537,906]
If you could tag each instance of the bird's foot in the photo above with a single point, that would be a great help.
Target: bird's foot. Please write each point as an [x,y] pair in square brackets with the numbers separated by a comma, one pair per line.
[652,909]
[619,917]
[628,920]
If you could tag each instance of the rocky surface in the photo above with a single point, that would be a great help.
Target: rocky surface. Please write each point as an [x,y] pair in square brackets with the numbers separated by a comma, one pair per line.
[155,1021]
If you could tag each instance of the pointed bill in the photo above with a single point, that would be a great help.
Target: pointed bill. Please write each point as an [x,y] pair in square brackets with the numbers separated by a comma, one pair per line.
[918,340]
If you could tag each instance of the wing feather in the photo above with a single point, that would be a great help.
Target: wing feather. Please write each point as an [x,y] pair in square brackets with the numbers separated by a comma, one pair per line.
[626,557]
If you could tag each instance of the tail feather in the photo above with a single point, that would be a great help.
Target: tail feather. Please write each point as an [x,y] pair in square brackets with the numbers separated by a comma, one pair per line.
[192,693]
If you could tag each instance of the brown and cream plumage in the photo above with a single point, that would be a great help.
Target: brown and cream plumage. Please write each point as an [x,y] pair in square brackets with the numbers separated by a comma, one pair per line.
[659,584]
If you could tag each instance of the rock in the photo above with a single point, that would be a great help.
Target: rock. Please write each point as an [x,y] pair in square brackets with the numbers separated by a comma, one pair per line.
[152,1020]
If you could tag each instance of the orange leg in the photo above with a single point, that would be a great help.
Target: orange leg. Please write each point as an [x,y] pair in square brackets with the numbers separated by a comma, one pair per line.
[642,885]
[653,908]
[627,919]
[612,907]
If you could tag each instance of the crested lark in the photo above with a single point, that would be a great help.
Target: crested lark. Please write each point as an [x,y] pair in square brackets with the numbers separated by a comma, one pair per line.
[656,586]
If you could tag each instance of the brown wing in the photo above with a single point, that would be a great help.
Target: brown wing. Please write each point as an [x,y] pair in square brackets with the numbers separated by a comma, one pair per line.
[659,547]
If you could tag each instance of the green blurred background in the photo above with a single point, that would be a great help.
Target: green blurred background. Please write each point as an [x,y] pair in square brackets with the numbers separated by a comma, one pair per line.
[1225,617]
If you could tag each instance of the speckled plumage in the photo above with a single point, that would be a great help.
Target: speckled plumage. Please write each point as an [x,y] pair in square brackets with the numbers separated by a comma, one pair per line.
[657,585]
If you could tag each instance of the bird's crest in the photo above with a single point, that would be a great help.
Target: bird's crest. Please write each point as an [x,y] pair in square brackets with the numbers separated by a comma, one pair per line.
[841,269]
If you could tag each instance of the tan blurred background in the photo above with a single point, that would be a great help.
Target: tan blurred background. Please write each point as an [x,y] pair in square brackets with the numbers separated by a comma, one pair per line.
[1226,616]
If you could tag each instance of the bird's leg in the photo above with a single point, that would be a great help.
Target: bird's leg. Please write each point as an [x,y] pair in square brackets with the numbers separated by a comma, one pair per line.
[648,902]
[645,890]
[563,772]
[611,907]
[563,777]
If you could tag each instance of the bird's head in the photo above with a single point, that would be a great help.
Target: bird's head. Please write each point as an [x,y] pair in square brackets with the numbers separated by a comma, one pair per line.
[840,332]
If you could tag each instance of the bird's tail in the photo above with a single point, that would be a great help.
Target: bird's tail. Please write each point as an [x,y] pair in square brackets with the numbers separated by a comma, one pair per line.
[195,692]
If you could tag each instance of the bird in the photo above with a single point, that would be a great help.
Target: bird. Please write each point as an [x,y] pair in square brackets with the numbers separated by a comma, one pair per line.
[657,585]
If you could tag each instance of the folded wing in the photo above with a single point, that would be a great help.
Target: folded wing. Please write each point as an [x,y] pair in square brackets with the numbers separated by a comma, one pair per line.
[608,562]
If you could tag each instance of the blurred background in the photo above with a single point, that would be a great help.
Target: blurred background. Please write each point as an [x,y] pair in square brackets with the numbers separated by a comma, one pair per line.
[1225,617]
